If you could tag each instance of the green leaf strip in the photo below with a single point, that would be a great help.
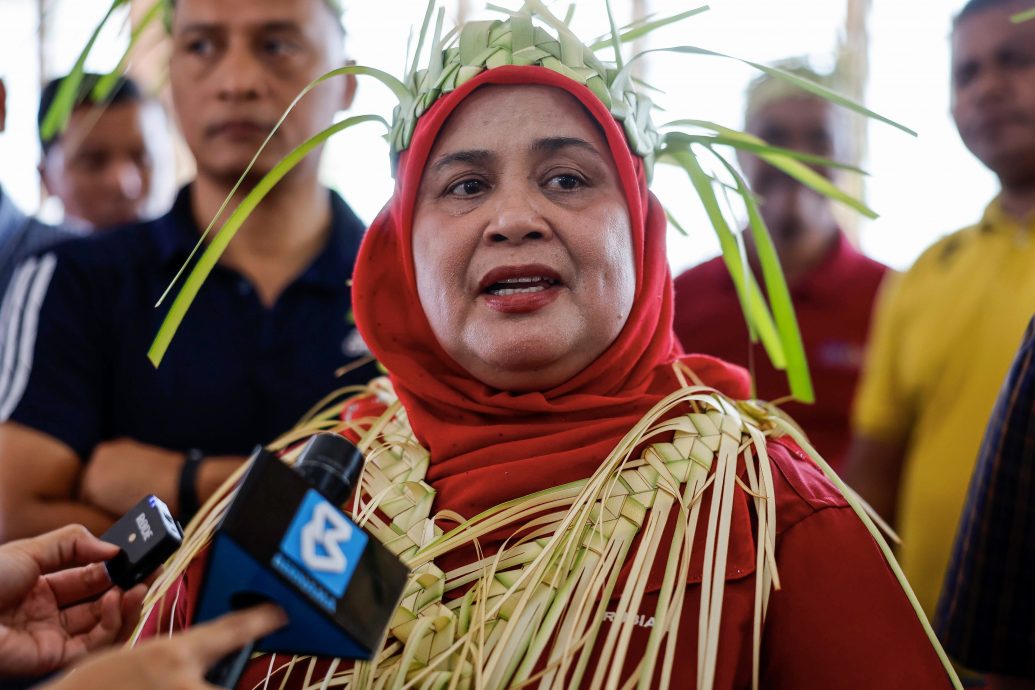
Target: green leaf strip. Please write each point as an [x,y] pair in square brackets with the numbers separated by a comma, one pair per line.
[616,41]
[800,82]
[779,294]
[1025,16]
[639,29]
[214,250]
[756,312]
[107,82]
[749,142]
[786,163]
[57,117]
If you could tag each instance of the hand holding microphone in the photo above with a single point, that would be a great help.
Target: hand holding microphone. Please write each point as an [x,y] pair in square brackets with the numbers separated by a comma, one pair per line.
[57,602]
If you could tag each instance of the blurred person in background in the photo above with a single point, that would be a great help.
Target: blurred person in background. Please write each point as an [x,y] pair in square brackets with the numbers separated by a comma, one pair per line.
[102,165]
[89,426]
[946,331]
[20,235]
[832,285]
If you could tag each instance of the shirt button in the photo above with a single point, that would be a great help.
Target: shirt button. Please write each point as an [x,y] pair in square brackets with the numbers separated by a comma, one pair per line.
[243,288]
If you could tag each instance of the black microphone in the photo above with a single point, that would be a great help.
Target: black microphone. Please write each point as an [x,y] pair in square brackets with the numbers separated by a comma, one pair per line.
[284,539]
[332,465]
[147,535]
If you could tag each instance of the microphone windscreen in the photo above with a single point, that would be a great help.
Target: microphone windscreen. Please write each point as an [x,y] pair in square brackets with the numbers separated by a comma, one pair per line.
[332,464]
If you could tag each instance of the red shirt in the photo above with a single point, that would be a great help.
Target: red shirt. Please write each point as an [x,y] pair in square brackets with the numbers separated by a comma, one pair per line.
[833,304]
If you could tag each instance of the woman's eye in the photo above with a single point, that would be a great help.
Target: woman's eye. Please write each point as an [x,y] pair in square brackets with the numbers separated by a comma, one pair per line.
[566,182]
[467,188]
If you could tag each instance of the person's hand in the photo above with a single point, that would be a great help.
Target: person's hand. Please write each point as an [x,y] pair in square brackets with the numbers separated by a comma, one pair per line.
[50,611]
[123,471]
[178,662]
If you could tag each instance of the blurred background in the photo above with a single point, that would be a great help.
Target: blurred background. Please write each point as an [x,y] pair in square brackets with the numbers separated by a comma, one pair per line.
[891,55]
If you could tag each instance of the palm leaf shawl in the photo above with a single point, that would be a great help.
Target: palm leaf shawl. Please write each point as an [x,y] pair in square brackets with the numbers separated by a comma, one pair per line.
[532,613]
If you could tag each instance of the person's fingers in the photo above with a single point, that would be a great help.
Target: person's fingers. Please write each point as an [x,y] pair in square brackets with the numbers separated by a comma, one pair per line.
[101,635]
[77,584]
[131,606]
[210,642]
[68,546]
[109,622]
[76,620]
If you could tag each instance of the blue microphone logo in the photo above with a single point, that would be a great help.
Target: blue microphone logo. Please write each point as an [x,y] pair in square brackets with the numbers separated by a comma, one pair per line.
[323,543]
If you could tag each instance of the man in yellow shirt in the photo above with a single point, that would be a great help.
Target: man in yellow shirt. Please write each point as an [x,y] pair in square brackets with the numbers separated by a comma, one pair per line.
[946,330]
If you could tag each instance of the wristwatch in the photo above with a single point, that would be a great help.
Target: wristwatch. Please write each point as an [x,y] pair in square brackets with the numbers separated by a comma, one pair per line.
[188,493]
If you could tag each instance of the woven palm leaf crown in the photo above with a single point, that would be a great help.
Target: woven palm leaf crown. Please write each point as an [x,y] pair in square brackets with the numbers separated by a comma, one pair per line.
[521,40]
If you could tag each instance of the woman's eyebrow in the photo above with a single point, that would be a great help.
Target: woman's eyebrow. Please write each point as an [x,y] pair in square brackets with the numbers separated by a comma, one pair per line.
[554,144]
[475,156]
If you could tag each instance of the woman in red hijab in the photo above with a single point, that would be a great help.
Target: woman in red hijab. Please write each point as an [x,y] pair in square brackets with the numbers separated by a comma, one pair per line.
[582,504]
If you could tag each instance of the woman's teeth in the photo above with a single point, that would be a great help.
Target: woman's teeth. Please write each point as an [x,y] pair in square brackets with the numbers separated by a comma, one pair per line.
[517,291]
[517,286]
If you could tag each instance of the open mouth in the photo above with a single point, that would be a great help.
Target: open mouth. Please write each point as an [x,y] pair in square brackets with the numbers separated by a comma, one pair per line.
[520,289]
[520,286]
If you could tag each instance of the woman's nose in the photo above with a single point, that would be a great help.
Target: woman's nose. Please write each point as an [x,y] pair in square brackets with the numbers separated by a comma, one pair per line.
[517,217]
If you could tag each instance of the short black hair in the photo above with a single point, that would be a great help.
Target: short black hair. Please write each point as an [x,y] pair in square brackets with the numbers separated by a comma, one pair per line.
[975,6]
[125,90]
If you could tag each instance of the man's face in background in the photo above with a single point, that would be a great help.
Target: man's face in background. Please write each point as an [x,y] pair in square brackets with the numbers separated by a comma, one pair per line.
[237,65]
[803,123]
[993,89]
[102,165]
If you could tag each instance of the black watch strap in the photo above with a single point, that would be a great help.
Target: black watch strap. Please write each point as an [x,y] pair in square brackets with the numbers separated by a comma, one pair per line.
[188,490]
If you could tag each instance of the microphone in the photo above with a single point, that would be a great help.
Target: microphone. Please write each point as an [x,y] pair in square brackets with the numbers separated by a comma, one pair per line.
[147,535]
[284,539]
[332,465]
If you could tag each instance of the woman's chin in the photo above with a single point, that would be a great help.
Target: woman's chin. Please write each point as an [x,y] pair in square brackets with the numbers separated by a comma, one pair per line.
[526,367]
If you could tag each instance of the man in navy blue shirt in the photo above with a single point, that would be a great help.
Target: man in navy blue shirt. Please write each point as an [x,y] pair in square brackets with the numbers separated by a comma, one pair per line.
[88,427]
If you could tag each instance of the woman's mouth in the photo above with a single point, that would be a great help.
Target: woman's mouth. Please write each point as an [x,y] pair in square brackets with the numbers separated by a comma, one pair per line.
[520,289]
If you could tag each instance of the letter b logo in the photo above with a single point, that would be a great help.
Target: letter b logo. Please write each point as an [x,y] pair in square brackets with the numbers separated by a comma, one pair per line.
[324,543]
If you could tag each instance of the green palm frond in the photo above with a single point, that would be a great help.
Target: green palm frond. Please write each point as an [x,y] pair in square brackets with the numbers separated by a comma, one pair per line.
[1026,16]
[638,29]
[533,35]
[56,119]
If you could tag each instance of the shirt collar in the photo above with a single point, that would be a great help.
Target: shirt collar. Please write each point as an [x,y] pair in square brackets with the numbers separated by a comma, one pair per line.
[177,233]
[831,271]
[996,219]
[332,267]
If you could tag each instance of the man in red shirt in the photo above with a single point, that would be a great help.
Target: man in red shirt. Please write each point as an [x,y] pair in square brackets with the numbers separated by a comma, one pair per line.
[833,286]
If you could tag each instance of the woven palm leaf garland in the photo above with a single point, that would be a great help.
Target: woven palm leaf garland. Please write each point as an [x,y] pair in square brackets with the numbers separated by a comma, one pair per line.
[532,614]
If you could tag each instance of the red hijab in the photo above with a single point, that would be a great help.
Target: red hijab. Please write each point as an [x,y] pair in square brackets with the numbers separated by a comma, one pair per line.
[488,446]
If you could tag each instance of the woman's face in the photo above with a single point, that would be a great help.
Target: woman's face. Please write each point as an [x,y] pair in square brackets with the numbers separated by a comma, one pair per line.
[521,238]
